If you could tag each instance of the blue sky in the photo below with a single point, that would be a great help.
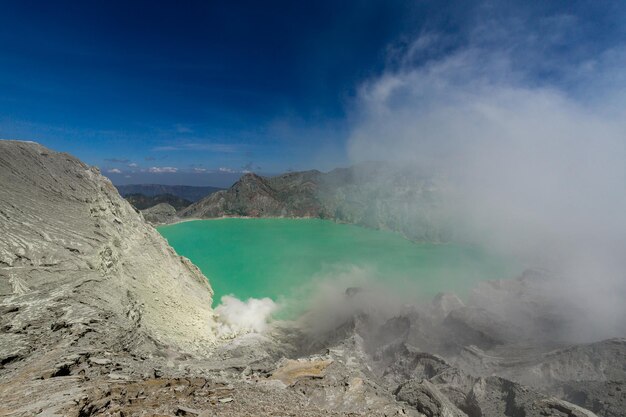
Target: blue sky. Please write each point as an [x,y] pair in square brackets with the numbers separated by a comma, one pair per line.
[198,92]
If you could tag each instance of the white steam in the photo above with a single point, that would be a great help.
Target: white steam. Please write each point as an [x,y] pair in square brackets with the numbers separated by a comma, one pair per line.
[238,317]
[335,298]
[536,169]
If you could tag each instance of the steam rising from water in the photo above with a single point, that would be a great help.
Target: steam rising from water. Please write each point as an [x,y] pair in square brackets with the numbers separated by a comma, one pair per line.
[237,317]
[535,170]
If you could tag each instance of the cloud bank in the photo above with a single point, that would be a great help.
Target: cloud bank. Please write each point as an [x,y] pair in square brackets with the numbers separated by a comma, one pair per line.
[162,170]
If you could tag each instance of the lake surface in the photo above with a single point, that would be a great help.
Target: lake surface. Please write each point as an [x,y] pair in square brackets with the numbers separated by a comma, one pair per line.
[283,258]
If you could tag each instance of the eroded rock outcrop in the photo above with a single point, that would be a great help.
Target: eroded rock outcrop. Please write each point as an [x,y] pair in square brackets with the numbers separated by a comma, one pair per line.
[67,235]
[82,274]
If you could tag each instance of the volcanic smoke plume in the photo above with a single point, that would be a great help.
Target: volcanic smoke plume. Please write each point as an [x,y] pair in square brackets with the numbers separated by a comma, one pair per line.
[534,169]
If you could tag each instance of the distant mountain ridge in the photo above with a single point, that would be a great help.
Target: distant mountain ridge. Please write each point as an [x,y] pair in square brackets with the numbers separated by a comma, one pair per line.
[187,192]
[371,194]
[142,202]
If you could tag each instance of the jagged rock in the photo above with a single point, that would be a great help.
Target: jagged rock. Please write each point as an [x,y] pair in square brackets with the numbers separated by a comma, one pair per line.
[495,397]
[403,362]
[556,407]
[605,398]
[588,375]
[427,399]
[349,385]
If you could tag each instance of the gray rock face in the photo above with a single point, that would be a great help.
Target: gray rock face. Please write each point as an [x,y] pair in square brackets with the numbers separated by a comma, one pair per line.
[494,397]
[372,195]
[73,253]
[290,195]
[162,213]
[427,399]
[81,275]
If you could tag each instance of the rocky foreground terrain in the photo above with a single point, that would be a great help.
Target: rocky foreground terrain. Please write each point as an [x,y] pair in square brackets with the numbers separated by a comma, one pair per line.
[101,317]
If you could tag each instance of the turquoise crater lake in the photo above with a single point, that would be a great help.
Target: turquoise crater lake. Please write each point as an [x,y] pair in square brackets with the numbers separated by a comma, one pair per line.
[281,258]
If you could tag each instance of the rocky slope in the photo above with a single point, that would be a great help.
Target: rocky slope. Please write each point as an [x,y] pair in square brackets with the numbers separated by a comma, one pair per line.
[59,215]
[101,317]
[372,195]
[82,273]
[162,213]
[290,195]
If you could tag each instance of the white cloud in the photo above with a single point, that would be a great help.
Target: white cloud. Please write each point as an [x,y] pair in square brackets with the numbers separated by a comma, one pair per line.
[199,170]
[199,147]
[226,170]
[161,170]
[114,171]
[133,165]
